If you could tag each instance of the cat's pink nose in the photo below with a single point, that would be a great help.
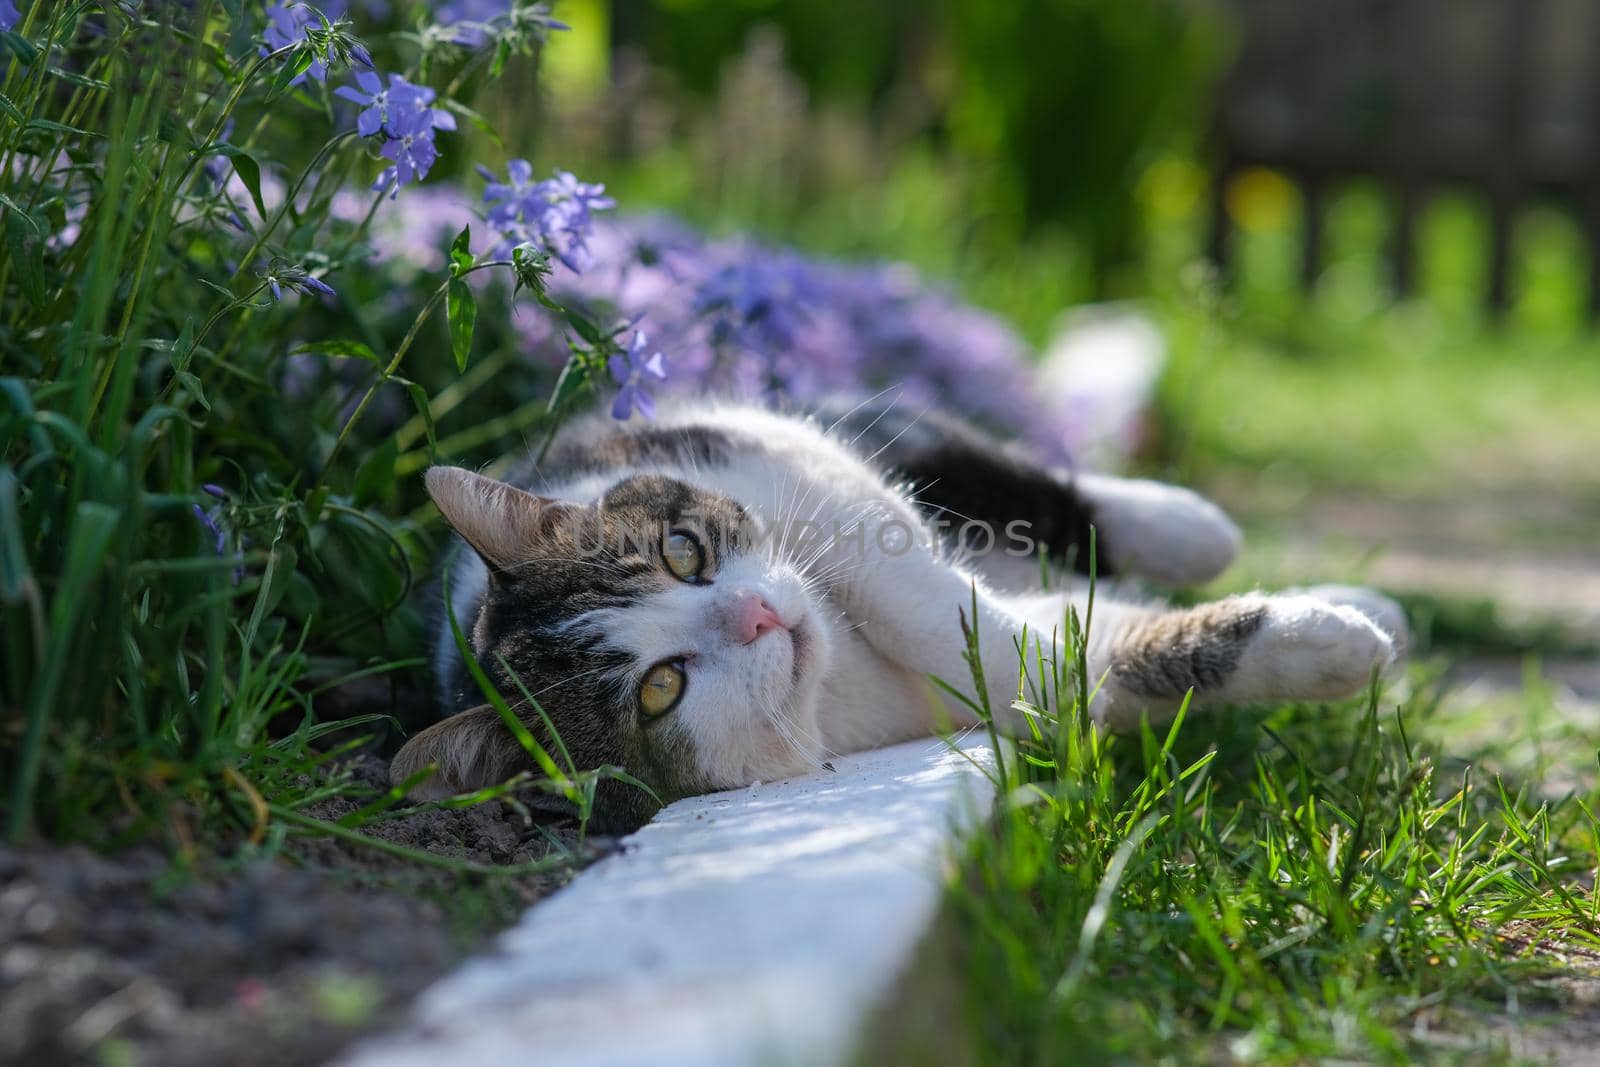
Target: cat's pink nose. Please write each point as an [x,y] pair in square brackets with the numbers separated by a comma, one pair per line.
[750,616]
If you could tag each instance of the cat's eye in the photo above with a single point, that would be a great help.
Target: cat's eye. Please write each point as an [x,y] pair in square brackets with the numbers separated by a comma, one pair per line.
[684,555]
[662,689]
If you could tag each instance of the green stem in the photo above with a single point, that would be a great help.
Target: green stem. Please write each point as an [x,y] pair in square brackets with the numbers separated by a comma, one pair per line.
[216,316]
[288,203]
[452,396]
[394,362]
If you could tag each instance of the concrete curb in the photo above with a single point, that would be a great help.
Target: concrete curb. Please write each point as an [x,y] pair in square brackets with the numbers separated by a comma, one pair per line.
[758,926]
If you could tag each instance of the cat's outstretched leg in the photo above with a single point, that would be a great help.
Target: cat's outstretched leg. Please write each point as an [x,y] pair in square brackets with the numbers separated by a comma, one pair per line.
[1168,534]
[978,486]
[1245,649]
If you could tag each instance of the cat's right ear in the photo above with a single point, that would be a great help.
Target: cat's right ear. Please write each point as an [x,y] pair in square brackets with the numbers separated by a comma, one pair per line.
[471,750]
[501,522]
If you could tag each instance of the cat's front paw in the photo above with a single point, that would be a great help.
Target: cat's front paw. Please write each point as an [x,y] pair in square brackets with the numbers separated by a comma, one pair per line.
[1165,533]
[1389,615]
[1308,648]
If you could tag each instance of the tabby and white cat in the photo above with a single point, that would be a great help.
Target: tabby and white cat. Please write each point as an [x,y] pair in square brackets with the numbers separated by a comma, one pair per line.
[728,595]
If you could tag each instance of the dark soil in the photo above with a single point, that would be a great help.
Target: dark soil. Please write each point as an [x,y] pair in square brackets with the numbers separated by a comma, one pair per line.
[251,959]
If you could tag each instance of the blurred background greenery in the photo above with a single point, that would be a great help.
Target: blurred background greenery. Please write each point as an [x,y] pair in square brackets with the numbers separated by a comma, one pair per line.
[1042,153]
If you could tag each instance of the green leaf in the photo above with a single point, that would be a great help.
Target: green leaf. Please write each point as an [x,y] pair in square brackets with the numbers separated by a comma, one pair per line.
[461,258]
[339,350]
[27,255]
[419,398]
[376,473]
[192,384]
[462,309]
[568,386]
[14,571]
[19,46]
[298,63]
[11,205]
[247,168]
[58,127]
[278,578]
[585,328]
[78,79]
[183,348]
[11,109]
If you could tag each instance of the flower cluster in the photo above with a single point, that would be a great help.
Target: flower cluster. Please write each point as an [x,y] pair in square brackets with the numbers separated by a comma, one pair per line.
[404,115]
[742,318]
[554,215]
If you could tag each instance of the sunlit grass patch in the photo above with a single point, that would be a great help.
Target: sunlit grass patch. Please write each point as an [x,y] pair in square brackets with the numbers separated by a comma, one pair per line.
[1289,885]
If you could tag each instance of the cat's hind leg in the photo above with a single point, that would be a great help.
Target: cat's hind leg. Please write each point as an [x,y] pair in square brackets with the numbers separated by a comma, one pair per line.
[991,496]
[1170,535]
[1241,650]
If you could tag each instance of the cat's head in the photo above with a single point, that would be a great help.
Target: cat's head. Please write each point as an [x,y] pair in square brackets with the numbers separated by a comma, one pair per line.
[653,626]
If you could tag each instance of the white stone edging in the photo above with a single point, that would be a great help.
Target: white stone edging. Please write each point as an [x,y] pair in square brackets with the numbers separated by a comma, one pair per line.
[757,926]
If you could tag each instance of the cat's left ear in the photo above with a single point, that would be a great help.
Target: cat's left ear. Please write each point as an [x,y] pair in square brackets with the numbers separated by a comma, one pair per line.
[472,750]
[503,523]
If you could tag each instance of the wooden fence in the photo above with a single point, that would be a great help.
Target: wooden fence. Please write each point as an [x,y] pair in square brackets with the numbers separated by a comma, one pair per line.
[1498,96]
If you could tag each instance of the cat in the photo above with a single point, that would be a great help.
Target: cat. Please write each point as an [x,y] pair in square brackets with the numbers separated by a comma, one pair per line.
[729,594]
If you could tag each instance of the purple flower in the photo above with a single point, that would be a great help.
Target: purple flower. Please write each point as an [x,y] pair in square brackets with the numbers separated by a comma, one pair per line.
[631,370]
[9,17]
[746,319]
[395,108]
[761,300]
[375,99]
[404,114]
[208,519]
[554,214]
[411,150]
[211,519]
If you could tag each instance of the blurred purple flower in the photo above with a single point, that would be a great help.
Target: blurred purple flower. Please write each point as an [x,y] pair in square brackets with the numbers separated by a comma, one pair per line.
[208,519]
[751,320]
[631,371]
[413,233]
[475,20]
[761,297]
[473,15]
[9,16]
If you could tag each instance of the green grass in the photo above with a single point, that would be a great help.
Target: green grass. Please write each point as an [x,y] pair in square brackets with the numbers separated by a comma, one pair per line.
[1303,884]
[205,537]
[1292,885]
